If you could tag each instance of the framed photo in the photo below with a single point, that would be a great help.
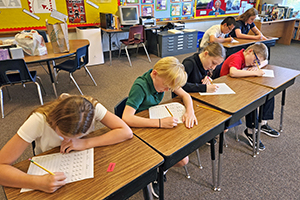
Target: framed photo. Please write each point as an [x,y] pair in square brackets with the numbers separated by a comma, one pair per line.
[175,9]
[186,9]
[147,10]
[161,5]
[132,1]
[175,1]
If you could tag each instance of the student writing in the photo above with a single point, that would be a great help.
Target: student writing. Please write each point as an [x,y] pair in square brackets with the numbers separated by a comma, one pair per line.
[61,122]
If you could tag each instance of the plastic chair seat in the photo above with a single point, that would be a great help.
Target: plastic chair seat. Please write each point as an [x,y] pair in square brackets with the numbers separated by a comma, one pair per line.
[15,78]
[67,66]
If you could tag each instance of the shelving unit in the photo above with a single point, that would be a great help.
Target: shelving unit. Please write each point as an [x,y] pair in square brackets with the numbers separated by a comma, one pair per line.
[296,33]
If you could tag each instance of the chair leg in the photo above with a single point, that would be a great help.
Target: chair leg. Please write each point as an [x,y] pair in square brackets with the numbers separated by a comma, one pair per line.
[89,73]
[75,83]
[1,99]
[120,50]
[39,92]
[236,133]
[55,74]
[8,93]
[186,172]
[146,52]
[137,48]
[41,85]
[198,157]
[128,56]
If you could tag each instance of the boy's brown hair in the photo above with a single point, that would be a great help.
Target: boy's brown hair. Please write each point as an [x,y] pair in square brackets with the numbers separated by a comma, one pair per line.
[260,49]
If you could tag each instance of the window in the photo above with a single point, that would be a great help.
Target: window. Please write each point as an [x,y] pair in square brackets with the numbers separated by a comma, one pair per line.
[292,3]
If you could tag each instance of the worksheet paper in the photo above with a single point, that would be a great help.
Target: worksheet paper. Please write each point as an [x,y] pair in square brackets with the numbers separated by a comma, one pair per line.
[77,165]
[223,89]
[160,111]
[268,73]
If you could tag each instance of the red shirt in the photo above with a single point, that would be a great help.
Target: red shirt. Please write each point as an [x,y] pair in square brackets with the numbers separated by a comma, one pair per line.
[236,60]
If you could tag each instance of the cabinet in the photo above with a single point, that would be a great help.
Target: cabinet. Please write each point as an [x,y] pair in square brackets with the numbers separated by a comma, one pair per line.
[165,44]
[296,33]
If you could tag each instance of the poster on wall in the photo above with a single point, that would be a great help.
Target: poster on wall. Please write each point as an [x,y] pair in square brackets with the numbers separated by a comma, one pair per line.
[147,10]
[216,8]
[186,9]
[76,11]
[161,5]
[46,6]
[175,9]
[9,4]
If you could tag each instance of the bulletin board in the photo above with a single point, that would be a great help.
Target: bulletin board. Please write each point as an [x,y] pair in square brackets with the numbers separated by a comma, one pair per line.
[17,13]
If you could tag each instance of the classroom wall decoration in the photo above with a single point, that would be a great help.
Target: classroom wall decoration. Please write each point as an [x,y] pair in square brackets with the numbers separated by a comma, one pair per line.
[76,11]
[161,5]
[46,6]
[10,4]
[175,9]
[217,8]
[147,10]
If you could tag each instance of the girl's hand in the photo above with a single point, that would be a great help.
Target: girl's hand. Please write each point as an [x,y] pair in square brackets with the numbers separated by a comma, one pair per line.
[207,80]
[168,122]
[211,88]
[50,183]
[68,145]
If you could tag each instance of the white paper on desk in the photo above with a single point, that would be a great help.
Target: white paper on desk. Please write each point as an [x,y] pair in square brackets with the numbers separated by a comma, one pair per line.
[223,89]
[160,111]
[234,41]
[268,73]
[77,165]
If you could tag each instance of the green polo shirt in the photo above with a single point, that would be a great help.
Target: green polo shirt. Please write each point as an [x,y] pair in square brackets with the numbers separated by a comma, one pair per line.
[143,94]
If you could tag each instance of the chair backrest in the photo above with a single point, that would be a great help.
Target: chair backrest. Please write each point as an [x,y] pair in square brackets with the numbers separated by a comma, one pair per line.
[136,34]
[82,56]
[119,108]
[8,69]
[44,35]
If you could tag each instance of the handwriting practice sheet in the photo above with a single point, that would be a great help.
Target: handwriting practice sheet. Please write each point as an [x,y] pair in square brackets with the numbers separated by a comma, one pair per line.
[223,89]
[160,111]
[77,165]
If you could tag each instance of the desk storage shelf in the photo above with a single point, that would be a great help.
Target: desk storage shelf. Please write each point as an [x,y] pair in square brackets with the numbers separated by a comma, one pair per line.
[166,44]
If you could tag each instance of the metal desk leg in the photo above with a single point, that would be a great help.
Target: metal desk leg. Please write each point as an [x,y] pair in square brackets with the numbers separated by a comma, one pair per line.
[147,193]
[109,39]
[51,78]
[254,132]
[259,128]
[213,161]
[221,141]
[161,183]
[282,107]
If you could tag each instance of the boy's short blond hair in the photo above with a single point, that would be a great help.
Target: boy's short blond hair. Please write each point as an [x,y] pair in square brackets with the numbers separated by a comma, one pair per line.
[170,69]
[260,49]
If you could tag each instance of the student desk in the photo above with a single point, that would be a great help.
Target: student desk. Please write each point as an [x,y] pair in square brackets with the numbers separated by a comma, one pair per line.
[136,166]
[232,48]
[74,45]
[248,97]
[283,78]
[177,143]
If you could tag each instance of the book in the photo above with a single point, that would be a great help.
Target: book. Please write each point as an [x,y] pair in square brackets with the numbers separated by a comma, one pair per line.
[174,31]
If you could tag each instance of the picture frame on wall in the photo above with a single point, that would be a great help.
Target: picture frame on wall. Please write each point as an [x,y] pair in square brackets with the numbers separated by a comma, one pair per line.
[175,9]
[147,1]
[161,5]
[132,1]
[186,9]
[175,1]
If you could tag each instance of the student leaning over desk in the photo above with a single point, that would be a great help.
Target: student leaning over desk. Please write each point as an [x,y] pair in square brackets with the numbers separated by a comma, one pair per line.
[233,66]
[245,23]
[148,90]
[61,122]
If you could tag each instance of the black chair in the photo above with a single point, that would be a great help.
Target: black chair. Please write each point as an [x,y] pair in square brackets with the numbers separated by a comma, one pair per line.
[15,71]
[80,60]
[119,108]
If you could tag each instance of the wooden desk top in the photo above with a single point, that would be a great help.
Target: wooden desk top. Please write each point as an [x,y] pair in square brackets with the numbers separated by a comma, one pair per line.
[246,93]
[74,45]
[168,141]
[245,42]
[133,159]
[281,76]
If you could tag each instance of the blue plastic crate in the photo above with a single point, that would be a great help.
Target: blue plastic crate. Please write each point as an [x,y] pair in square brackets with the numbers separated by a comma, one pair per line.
[200,35]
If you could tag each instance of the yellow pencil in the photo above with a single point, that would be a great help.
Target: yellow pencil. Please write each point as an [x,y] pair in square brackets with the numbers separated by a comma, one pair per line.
[209,80]
[41,167]
[209,108]
[169,111]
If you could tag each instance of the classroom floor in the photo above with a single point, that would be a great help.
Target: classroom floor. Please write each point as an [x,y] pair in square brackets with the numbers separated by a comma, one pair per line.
[273,174]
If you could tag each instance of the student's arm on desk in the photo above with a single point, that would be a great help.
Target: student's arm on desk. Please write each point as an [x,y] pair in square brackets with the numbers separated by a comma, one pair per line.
[135,121]
[234,72]
[239,34]
[212,38]
[189,117]
[119,132]
[13,177]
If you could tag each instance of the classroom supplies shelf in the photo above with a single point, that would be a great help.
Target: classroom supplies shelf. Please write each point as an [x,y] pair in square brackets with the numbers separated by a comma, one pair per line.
[296,33]
[167,44]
